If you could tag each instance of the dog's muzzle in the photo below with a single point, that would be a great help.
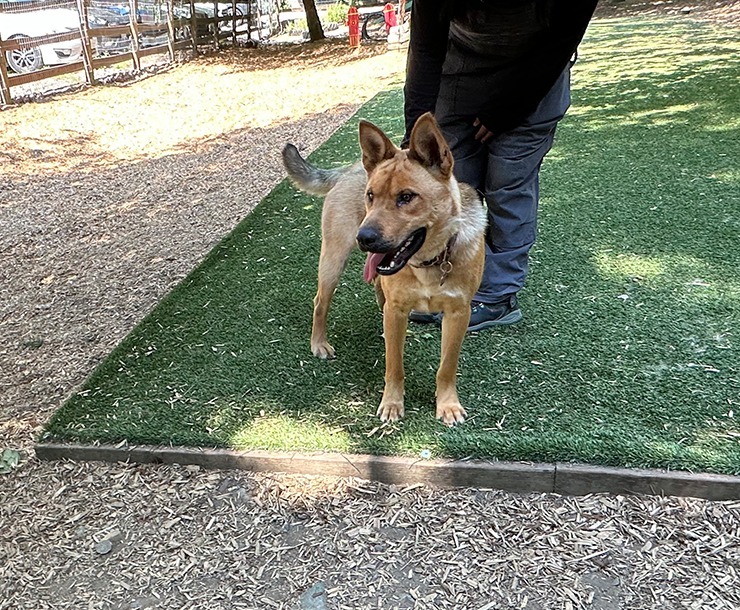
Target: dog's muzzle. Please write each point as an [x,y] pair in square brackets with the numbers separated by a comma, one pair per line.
[385,258]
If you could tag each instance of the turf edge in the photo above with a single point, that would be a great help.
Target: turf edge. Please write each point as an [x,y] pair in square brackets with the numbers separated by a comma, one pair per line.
[520,477]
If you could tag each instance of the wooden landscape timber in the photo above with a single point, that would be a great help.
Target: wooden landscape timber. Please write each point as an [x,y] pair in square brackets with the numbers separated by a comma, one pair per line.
[519,477]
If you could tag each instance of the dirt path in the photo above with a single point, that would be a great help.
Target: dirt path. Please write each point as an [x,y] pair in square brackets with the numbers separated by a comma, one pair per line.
[96,226]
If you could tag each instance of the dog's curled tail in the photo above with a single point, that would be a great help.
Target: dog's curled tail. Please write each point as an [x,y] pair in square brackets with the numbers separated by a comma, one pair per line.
[307,177]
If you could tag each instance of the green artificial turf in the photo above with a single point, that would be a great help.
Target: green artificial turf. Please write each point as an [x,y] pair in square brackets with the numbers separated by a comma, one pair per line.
[628,352]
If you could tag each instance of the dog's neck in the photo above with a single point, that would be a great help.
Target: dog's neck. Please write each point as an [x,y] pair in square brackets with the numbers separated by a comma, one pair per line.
[443,251]
[442,257]
[442,260]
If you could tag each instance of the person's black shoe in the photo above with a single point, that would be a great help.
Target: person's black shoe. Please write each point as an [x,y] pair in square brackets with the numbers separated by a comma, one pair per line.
[425,318]
[484,315]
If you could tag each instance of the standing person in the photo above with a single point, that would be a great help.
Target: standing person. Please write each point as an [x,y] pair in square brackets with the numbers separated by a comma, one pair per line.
[496,74]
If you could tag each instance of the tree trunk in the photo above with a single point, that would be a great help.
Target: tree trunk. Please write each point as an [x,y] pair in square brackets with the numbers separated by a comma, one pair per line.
[315,31]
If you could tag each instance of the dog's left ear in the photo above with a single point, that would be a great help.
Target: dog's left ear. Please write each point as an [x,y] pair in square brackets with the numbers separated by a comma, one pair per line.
[428,146]
[375,145]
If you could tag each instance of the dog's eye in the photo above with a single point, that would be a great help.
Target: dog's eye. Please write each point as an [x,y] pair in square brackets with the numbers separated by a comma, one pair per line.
[404,198]
[369,196]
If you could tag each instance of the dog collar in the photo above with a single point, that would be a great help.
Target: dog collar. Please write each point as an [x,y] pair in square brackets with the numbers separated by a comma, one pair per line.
[442,260]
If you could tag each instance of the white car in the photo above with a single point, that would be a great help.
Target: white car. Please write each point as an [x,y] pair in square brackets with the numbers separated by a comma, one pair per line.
[23,25]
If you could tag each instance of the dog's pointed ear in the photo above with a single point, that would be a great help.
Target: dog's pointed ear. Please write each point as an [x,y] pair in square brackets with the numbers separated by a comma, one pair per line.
[375,145]
[428,146]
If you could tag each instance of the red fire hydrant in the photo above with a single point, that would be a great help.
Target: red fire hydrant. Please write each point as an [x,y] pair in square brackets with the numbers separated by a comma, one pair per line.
[389,15]
[353,22]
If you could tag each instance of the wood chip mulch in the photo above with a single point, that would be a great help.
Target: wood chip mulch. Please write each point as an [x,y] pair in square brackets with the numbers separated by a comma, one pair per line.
[117,536]
[108,197]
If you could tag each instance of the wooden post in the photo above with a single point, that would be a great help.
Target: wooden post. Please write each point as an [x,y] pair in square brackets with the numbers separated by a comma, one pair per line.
[217,24]
[193,28]
[170,31]
[233,22]
[133,24]
[86,47]
[4,83]
[258,22]
[274,18]
[248,19]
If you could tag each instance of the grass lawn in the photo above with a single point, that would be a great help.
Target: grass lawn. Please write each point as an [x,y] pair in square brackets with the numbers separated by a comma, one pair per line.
[628,353]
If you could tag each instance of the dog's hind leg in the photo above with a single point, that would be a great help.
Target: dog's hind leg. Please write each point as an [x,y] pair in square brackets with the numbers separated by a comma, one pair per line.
[454,326]
[334,254]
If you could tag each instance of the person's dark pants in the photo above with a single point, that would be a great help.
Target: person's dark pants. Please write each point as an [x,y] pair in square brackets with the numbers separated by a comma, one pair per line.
[506,170]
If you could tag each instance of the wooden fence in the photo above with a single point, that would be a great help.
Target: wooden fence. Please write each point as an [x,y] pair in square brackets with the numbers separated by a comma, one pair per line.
[190,28]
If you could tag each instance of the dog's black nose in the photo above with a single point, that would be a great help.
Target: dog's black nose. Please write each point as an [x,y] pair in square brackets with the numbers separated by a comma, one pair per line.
[369,239]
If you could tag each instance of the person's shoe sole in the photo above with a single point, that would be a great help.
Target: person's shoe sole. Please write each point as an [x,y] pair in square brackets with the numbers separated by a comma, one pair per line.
[510,318]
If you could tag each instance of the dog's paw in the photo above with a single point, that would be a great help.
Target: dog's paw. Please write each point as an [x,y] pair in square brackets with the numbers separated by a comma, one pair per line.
[451,413]
[390,410]
[322,350]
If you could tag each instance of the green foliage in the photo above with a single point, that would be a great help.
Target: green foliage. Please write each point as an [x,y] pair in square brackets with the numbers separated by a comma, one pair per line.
[297,26]
[337,13]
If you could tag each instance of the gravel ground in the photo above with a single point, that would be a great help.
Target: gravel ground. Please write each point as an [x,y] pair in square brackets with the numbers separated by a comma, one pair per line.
[108,197]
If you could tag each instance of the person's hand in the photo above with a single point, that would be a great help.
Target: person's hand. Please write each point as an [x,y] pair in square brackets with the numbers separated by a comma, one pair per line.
[483,134]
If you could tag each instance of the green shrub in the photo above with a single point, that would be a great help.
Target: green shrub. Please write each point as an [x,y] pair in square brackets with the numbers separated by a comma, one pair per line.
[297,26]
[337,13]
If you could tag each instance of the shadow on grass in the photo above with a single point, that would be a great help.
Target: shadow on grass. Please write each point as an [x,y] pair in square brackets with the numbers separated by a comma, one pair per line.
[627,355]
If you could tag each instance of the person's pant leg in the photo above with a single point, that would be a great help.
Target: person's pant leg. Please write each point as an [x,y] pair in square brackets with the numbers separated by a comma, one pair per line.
[511,191]
[470,158]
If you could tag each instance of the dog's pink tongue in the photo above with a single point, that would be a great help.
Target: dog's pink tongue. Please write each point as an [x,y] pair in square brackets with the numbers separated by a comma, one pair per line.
[371,266]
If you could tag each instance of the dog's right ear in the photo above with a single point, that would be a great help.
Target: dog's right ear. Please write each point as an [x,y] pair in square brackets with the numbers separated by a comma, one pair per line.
[375,145]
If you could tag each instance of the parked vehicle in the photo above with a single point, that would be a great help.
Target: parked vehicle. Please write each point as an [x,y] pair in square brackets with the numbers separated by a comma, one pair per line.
[373,25]
[113,45]
[99,17]
[225,9]
[20,26]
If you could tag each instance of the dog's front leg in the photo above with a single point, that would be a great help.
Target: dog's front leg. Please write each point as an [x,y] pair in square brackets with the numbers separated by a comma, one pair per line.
[395,321]
[454,326]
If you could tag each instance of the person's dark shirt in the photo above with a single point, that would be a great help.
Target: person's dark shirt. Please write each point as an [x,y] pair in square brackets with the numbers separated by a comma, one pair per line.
[521,46]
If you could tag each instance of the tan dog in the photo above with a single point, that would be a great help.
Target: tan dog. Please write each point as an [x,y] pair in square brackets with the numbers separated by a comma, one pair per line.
[424,235]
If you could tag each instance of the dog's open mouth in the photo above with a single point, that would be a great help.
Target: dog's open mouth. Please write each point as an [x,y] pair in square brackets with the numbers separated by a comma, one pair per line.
[388,263]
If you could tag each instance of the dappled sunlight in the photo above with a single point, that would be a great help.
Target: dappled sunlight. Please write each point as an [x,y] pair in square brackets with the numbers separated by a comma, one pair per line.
[595,118]
[730,124]
[191,104]
[657,55]
[285,433]
[643,78]
[730,177]
[660,46]
[347,424]
[710,445]
[342,420]
[686,274]
[311,494]
[618,265]
[654,116]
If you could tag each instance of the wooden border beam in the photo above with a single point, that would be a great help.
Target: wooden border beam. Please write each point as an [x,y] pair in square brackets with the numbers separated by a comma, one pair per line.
[520,477]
